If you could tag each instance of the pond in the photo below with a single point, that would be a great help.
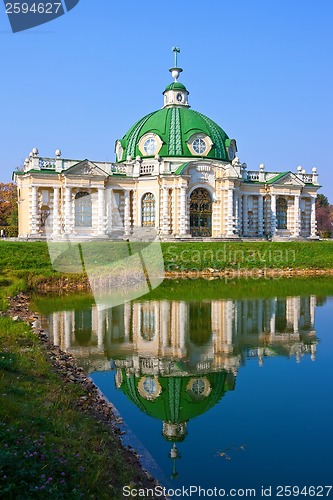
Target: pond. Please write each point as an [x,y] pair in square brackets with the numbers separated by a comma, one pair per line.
[227,387]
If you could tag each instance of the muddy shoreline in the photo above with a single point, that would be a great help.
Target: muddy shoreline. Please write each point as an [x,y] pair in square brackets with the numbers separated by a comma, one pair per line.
[65,285]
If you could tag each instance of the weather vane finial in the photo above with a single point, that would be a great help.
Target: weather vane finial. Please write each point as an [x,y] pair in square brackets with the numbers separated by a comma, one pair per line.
[175,71]
[176,51]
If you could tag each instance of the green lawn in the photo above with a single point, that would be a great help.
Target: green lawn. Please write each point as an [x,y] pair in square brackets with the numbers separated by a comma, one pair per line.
[33,257]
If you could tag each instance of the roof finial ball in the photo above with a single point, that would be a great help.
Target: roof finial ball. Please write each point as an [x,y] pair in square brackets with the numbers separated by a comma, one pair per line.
[175,71]
[58,153]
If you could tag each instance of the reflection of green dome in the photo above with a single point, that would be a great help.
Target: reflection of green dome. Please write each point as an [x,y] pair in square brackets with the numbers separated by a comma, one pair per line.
[175,402]
[174,126]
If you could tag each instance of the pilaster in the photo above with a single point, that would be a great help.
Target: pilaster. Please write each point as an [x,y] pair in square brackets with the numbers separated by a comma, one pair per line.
[260,215]
[101,212]
[273,214]
[182,211]
[230,212]
[313,218]
[68,210]
[165,211]
[245,215]
[296,216]
[127,212]
[34,211]
[56,212]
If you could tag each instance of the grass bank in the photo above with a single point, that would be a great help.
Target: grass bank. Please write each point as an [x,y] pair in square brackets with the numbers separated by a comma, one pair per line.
[27,264]
[248,255]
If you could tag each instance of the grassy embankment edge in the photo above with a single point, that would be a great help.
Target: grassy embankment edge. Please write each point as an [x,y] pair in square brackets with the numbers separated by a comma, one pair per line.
[27,265]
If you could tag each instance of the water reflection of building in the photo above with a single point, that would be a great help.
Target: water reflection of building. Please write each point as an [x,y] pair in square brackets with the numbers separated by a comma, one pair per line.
[205,336]
[174,359]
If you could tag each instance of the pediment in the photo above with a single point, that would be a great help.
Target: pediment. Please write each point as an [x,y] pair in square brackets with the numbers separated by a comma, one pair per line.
[287,179]
[86,168]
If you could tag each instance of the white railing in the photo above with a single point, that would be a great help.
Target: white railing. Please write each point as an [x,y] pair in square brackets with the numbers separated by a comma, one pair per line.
[252,175]
[47,163]
[306,178]
[118,169]
[147,169]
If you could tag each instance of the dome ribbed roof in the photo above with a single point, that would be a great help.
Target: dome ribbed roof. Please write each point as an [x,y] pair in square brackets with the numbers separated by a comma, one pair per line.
[174,404]
[175,125]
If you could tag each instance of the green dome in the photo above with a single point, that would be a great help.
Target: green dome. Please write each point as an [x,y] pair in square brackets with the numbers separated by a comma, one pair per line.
[175,404]
[175,86]
[175,125]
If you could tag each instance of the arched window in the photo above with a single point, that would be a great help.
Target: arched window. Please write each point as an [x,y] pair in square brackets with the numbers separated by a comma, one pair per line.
[83,209]
[148,210]
[281,213]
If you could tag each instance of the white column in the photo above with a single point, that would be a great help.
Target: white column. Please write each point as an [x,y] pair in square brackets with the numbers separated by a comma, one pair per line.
[56,328]
[245,215]
[127,213]
[273,214]
[34,210]
[296,216]
[313,218]
[240,214]
[100,328]
[260,316]
[230,212]
[127,321]
[165,211]
[296,312]
[273,314]
[182,311]
[68,329]
[236,211]
[165,314]
[56,214]
[135,209]
[68,210]
[228,321]
[260,215]
[109,206]
[182,211]
[101,211]
[313,303]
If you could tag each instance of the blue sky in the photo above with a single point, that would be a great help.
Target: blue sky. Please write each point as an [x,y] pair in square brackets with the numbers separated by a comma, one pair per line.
[261,69]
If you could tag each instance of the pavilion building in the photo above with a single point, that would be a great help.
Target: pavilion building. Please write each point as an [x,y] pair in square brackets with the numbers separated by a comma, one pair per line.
[177,171]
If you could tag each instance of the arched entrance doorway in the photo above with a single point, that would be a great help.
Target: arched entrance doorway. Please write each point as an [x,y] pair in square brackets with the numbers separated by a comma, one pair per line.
[201,208]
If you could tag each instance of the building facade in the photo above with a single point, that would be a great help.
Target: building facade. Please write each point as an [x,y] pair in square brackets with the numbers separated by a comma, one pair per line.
[176,171]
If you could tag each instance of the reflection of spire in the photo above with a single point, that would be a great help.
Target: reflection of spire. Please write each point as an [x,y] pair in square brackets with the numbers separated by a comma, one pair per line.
[174,455]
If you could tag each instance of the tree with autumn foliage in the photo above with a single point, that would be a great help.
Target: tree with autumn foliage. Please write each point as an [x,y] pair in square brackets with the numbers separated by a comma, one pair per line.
[8,208]
[324,216]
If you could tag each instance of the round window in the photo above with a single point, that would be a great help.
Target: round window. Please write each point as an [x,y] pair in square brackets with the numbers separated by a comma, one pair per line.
[199,145]
[198,387]
[150,146]
[149,386]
